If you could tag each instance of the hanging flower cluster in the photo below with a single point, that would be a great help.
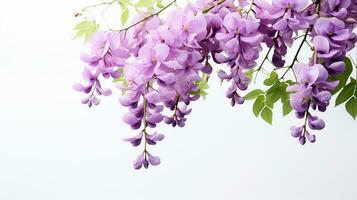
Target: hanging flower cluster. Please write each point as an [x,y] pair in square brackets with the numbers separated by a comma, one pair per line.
[163,64]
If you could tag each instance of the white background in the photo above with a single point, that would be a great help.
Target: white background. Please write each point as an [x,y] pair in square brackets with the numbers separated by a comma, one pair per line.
[52,147]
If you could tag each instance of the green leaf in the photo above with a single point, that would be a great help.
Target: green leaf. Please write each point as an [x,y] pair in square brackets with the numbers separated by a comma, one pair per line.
[258,105]
[249,74]
[346,93]
[275,88]
[85,29]
[273,78]
[342,77]
[253,94]
[145,4]
[203,85]
[267,115]
[273,97]
[286,108]
[351,107]
[159,4]
[273,94]
[203,94]
[124,16]
[124,3]
[121,79]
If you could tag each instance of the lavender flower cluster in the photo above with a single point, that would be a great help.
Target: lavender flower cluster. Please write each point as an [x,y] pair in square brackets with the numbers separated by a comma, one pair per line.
[161,62]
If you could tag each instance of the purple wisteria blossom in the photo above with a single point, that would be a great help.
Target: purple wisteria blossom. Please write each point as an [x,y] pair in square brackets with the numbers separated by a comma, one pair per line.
[162,65]
[312,91]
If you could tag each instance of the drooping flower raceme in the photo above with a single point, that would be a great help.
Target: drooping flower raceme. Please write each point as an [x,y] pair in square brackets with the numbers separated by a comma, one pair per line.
[162,65]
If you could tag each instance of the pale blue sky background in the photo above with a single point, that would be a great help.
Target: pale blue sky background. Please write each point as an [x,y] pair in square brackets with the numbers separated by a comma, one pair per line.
[52,147]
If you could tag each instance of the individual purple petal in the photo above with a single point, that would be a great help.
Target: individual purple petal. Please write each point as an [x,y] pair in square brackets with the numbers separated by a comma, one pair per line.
[281,24]
[152,139]
[296,131]
[130,118]
[311,138]
[302,140]
[316,123]
[337,67]
[155,118]
[138,163]
[168,78]
[105,91]
[341,35]
[78,87]
[95,101]
[161,51]
[136,140]
[153,160]
[322,26]
[152,97]
[321,44]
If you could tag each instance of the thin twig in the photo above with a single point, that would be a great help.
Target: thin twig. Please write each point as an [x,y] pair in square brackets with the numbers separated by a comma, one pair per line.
[297,54]
[213,6]
[261,65]
[148,17]
[98,4]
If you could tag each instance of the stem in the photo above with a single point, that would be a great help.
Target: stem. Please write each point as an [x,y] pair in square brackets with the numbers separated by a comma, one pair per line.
[250,7]
[307,112]
[148,17]
[315,56]
[297,37]
[213,6]
[261,65]
[297,54]
[98,4]
[144,120]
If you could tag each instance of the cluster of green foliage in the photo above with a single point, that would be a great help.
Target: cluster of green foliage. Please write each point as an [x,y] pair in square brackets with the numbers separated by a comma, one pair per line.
[202,89]
[265,100]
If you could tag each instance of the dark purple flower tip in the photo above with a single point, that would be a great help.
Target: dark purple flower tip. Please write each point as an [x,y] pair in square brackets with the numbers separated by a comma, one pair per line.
[181,123]
[337,67]
[323,97]
[207,69]
[277,60]
[136,140]
[300,115]
[311,138]
[115,74]
[222,75]
[296,131]
[146,164]
[302,140]
[136,126]
[168,120]
[239,99]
